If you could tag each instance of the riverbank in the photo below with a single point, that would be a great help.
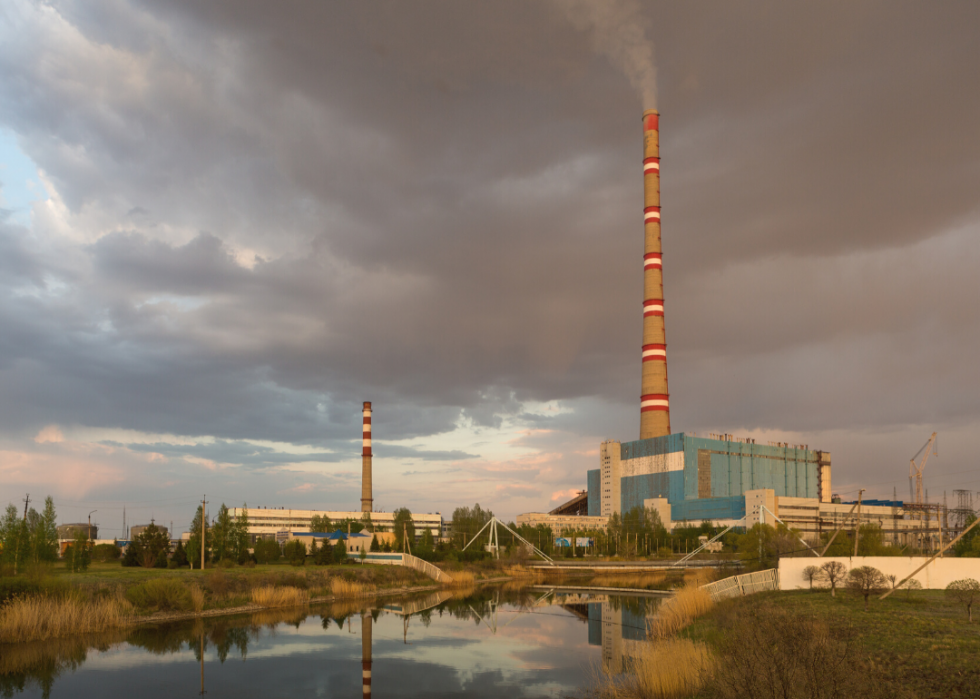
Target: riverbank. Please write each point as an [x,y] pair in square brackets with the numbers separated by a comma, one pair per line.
[918,644]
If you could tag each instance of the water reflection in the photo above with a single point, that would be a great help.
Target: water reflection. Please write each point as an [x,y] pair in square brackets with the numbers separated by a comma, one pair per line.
[474,643]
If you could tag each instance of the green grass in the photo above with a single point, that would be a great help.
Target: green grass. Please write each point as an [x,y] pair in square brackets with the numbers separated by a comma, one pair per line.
[921,642]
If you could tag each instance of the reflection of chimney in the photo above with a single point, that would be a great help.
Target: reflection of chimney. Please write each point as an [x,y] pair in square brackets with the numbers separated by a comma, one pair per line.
[366,651]
[654,402]
[366,499]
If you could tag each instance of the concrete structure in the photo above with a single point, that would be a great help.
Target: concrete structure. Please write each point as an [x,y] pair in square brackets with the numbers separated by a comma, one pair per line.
[654,399]
[935,576]
[138,529]
[701,478]
[562,523]
[263,522]
[367,497]
[67,532]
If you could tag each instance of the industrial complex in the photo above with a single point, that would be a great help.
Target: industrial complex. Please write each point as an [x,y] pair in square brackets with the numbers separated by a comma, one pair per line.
[726,480]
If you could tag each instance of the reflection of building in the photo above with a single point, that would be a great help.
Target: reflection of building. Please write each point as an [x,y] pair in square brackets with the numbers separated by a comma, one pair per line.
[621,632]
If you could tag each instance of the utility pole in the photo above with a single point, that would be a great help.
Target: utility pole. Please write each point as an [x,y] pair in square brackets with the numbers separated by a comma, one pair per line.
[857,523]
[204,528]
[27,500]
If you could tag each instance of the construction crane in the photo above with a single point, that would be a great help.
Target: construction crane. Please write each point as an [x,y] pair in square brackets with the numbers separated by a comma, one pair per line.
[915,470]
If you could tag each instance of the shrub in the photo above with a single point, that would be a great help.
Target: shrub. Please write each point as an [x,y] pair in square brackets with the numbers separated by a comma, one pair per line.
[270,596]
[295,552]
[966,592]
[197,598]
[226,563]
[160,594]
[267,551]
[768,653]
[103,553]
[866,581]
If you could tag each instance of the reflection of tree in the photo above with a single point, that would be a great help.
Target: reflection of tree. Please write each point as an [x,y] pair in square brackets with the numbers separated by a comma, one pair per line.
[25,664]
[639,606]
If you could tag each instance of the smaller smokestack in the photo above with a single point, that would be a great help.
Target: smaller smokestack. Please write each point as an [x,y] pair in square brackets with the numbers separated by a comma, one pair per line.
[367,501]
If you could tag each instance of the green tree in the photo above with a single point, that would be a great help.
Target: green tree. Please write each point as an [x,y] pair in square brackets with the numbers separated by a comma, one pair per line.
[340,551]
[295,552]
[761,547]
[467,521]
[12,528]
[325,555]
[267,551]
[969,545]
[375,546]
[314,549]
[103,553]
[366,522]
[223,535]
[866,581]
[350,525]
[180,555]
[152,547]
[77,555]
[240,536]
[403,525]
[194,543]
[44,536]
[320,523]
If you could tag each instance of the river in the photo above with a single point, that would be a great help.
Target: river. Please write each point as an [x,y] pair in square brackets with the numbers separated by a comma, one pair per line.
[494,642]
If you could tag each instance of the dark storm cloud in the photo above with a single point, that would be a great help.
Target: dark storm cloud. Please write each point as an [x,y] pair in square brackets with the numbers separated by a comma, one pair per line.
[277,214]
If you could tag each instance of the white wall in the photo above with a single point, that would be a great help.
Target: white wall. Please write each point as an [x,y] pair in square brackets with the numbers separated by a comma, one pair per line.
[935,576]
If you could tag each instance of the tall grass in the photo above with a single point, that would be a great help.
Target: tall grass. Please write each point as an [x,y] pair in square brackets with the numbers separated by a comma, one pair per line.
[270,596]
[522,573]
[348,588]
[666,669]
[462,578]
[680,610]
[636,580]
[37,618]
[197,598]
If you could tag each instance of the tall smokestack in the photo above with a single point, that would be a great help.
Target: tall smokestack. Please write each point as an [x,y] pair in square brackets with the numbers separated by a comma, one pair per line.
[654,401]
[366,499]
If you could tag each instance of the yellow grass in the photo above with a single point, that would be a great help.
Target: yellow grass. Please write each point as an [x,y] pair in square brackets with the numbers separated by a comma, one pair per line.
[270,596]
[637,580]
[676,667]
[524,574]
[462,578]
[38,618]
[699,576]
[346,588]
[197,598]
[680,610]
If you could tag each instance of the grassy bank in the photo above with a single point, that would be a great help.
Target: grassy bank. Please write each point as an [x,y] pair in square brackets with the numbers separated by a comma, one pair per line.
[910,645]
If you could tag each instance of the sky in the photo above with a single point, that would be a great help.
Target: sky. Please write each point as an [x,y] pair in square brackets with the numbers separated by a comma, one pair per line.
[225,225]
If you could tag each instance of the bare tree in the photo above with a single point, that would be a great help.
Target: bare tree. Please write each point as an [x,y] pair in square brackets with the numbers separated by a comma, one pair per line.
[811,573]
[910,585]
[892,579]
[965,591]
[833,572]
[867,581]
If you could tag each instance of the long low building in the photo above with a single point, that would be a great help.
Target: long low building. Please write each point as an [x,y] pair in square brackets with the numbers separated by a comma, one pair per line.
[267,522]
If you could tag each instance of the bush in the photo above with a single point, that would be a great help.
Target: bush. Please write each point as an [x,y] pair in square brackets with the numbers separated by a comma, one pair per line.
[103,553]
[160,594]
[295,552]
[267,551]
[226,563]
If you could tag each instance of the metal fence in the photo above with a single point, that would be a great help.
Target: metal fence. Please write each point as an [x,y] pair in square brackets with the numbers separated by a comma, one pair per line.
[740,585]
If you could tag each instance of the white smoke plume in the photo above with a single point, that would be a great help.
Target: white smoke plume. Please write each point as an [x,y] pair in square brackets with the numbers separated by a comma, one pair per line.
[618,31]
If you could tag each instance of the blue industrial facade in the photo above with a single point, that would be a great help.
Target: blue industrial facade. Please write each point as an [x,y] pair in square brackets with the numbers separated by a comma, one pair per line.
[715,475]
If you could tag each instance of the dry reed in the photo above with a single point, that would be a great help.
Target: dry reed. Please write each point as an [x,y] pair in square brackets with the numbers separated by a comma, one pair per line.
[680,610]
[39,618]
[462,578]
[635,580]
[270,596]
[524,574]
[347,588]
[197,598]
[676,667]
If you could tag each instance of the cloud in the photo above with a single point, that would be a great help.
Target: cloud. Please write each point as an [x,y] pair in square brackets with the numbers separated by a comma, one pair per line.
[51,433]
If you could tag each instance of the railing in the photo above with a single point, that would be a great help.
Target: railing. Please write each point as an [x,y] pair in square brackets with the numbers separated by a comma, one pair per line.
[425,568]
[739,585]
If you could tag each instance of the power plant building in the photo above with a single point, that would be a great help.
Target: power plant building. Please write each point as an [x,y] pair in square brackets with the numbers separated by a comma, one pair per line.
[691,478]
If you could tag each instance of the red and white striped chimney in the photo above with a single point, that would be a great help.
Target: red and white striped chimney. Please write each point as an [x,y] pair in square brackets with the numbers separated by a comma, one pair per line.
[367,501]
[654,397]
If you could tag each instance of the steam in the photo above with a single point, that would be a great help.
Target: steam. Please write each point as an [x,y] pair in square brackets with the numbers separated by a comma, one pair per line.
[618,32]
